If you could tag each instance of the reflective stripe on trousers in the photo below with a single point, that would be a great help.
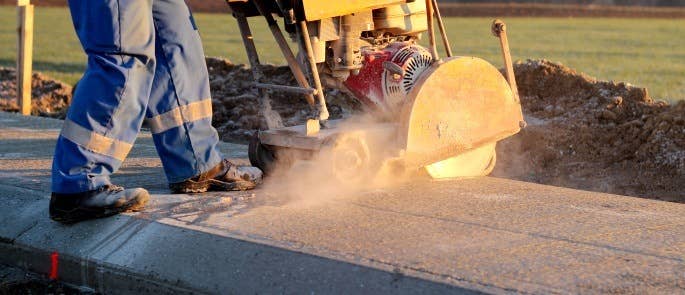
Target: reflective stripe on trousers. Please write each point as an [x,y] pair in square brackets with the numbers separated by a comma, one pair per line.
[184,114]
[145,61]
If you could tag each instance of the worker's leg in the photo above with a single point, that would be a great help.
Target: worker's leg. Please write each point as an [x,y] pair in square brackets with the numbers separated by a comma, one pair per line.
[180,109]
[180,106]
[111,99]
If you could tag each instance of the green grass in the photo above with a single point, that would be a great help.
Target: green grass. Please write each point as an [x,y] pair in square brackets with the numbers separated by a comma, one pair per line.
[644,52]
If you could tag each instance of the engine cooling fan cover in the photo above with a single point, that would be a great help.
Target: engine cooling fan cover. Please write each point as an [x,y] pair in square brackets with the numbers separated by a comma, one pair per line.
[388,75]
[413,60]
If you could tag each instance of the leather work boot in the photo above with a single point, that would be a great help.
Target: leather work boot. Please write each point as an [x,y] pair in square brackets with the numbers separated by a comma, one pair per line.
[223,177]
[105,201]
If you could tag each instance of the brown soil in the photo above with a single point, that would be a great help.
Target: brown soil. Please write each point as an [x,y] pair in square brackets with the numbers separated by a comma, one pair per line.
[595,135]
[582,133]
[237,105]
[50,98]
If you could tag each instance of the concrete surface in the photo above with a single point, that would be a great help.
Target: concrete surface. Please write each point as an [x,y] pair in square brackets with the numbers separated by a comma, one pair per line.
[461,236]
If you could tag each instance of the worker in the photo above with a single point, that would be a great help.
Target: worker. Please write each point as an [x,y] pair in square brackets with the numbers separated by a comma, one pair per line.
[145,63]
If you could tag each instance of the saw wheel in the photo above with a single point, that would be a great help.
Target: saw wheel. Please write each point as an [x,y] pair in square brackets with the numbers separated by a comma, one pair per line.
[261,156]
[348,158]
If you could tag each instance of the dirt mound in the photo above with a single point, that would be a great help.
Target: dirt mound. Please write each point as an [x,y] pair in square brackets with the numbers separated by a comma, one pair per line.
[49,98]
[596,135]
[237,105]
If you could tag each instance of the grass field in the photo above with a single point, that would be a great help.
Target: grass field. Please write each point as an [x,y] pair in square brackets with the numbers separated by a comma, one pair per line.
[644,52]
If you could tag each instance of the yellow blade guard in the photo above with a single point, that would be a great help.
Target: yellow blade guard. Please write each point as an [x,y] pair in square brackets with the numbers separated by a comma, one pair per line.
[457,111]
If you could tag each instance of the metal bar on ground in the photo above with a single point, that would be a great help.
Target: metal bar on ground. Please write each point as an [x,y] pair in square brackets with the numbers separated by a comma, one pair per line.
[441,26]
[25,14]
[292,89]
[285,49]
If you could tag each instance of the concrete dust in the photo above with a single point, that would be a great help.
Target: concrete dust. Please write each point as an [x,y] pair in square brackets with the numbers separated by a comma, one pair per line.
[272,118]
[358,160]
[306,183]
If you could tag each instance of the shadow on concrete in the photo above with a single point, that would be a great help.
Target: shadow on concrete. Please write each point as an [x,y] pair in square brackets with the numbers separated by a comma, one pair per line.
[170,258]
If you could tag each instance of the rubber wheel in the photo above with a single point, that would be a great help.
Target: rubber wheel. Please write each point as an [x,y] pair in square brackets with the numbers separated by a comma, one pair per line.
[349,159]
[261,156]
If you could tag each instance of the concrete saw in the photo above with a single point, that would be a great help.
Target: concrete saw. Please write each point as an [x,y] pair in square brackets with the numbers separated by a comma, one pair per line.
[448,124]
[422,112]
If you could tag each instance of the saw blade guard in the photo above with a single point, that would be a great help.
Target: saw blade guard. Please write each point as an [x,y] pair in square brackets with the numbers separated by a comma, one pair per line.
[458,105]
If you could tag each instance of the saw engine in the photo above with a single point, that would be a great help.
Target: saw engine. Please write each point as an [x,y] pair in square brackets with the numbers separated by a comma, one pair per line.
[388,75]
[440,114]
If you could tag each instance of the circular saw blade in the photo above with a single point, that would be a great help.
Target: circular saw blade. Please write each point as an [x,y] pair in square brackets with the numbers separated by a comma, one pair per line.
[472,163]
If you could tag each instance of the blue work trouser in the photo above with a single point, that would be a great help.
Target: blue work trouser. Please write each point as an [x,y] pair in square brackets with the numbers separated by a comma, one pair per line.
[145,62]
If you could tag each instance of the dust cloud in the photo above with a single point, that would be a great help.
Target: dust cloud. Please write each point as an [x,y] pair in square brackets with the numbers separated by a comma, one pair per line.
[272,118]
[359,158]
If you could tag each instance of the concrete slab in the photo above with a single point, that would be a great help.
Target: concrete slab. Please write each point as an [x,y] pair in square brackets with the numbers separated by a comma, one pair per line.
[20,211]
[478,235]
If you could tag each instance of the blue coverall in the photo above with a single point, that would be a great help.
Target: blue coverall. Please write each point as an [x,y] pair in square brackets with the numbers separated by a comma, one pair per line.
[145,62]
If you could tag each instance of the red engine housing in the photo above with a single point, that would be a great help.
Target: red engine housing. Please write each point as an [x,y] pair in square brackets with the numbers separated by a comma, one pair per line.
[383,87]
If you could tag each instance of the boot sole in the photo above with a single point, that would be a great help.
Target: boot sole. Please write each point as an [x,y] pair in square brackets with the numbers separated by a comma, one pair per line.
[81,214]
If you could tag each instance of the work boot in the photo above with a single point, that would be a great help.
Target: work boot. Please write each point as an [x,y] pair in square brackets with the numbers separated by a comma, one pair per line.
[225,176]
[105,201]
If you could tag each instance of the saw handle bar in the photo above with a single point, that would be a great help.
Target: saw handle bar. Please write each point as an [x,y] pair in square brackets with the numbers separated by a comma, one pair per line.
[295,66]
[499,30]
